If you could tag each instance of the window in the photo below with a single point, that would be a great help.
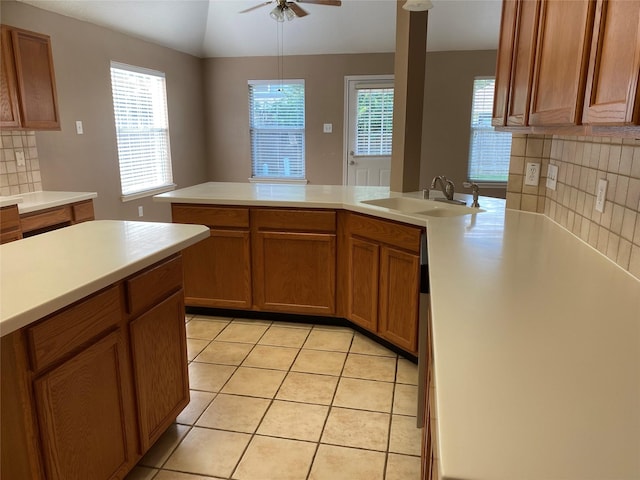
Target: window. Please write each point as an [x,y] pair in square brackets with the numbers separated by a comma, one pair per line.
[490,151]
[276,116]
[142,130]
[374,121]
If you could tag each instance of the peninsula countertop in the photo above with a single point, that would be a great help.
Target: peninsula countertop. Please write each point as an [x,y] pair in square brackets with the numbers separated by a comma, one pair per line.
[536,337]
[43,273]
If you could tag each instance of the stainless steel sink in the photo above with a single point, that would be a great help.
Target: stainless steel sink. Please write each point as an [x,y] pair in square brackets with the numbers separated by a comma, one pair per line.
[416,206]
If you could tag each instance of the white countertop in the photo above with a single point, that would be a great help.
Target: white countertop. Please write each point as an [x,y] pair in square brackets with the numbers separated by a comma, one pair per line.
[10,200]
[34,201]
[536,338]
[43,273]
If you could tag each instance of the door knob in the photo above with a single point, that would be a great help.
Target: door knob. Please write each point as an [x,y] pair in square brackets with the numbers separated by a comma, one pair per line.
[352,162]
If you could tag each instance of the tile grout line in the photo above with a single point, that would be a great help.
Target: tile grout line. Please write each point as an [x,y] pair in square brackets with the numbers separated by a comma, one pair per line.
[273,398]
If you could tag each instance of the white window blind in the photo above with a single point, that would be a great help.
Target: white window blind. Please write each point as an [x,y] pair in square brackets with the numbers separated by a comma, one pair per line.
[276,116]
[374,122]
[142,130]
[490,151]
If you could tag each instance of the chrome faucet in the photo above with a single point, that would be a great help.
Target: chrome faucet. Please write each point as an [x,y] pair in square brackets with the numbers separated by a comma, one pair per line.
[474,189]
[446,186]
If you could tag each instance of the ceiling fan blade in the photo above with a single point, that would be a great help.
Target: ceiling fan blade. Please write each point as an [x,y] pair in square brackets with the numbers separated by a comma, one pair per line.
[297,9]
[335,3]
[257,6]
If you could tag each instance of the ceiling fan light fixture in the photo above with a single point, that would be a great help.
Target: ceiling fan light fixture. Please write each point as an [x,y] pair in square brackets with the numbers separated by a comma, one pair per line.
[289,14]
[277,14]
[418,5]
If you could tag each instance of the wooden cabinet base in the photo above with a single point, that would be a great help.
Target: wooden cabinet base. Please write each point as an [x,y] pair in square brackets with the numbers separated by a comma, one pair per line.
[87,390]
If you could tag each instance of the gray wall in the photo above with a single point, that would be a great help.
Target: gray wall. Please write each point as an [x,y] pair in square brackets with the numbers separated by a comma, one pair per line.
[446,126]
[228,142]
[447,110]
[82,53]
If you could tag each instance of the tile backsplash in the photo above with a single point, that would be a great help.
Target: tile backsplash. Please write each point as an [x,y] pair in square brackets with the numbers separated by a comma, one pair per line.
[15,179]
[582,162]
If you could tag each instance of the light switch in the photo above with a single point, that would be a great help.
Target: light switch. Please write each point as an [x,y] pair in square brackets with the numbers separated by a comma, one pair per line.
[327,128]
[79,129]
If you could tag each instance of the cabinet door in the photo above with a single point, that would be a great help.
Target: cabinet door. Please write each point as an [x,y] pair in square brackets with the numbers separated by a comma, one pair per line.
[217,271]
[295,272]
[85,408]
[399,293]
[564,35]
[9,110]
[614,65]
[364,261]
[503,64]
[36,80]
[159,346]
[522,66]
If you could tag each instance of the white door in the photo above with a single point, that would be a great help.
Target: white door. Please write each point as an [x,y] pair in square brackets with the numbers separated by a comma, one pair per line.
[368,130]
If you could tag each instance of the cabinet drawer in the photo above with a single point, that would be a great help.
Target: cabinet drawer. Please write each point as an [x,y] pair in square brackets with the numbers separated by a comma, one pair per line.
[60,334]
[294,220]
[82,211]
[46,218]
[237,217]
[401,236]
[149,287]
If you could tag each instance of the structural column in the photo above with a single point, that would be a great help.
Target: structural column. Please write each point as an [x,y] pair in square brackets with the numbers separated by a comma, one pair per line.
[410,58]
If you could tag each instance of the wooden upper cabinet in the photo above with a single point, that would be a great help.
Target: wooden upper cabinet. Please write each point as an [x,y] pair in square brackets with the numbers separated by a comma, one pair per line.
[503,65]
[612,93]
[9,110]
[564,37]
[524,48]
[28,81]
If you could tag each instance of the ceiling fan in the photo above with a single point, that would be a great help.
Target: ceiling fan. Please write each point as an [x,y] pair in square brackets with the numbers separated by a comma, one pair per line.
[291,9]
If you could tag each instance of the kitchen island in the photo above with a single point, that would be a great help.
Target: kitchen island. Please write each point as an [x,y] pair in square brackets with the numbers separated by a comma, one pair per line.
[535,336]
[94,365]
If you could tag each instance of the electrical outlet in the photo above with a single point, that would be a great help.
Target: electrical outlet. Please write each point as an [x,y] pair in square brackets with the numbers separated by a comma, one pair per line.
[20,159]
[140,211]
[79,128]
[532,174]
[601,194]
[552,176]
[327,128]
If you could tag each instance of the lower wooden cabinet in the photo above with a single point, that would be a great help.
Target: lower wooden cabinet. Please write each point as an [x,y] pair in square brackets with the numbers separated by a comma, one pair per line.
[159,346]
[383,278]
[87,390]
[307,261]
[85,413]
[218,269]
[399,291]
[294,261]
[362,286]
[9,224]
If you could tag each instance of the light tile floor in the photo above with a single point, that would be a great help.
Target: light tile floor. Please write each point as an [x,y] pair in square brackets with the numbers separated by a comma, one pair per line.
[286,401]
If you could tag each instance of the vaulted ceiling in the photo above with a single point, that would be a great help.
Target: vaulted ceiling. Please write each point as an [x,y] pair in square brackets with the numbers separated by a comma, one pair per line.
[214,28]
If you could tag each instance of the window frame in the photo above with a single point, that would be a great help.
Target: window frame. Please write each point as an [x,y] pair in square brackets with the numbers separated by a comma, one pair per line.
[162,163]
[484,128]
[277,179]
